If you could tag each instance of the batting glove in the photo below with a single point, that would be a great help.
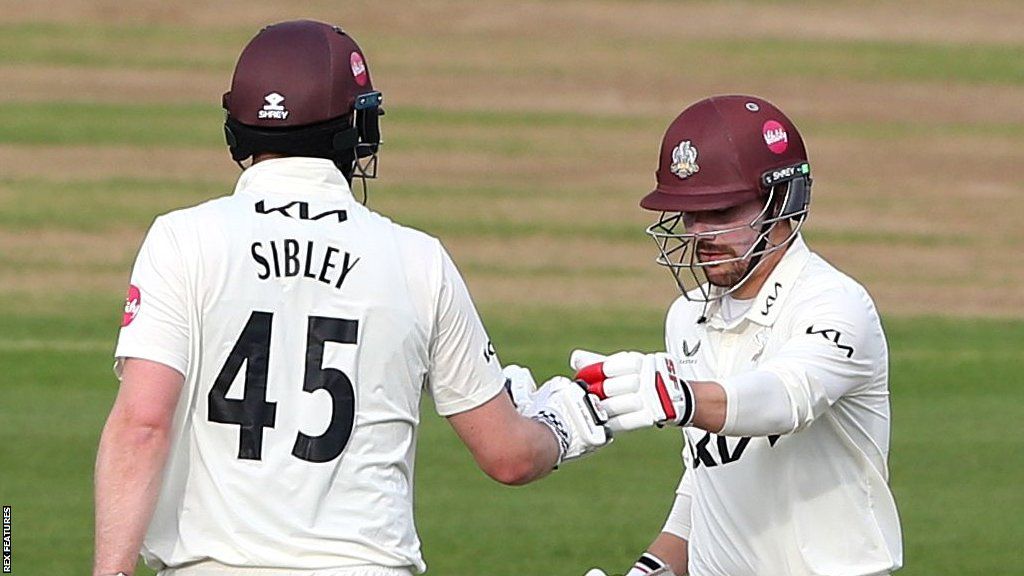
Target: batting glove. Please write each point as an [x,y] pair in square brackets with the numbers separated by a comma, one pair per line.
[574,416]
[647,565]
[650,565]
[520,385]
[636,390]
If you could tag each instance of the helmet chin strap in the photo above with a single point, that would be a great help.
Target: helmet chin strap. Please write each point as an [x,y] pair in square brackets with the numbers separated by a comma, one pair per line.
[758,254]
[759,250]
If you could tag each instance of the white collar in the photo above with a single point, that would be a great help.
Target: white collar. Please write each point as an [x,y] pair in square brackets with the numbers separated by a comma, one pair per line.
[294,176]
[775,289]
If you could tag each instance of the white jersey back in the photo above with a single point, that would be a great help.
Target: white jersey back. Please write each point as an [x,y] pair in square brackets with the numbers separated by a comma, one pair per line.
[814,500]
[306,327]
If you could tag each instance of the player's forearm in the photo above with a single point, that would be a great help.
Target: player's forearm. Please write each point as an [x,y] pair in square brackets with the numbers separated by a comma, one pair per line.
[507,446]
[711,406]
[672,550]
[532,453]
[129,467]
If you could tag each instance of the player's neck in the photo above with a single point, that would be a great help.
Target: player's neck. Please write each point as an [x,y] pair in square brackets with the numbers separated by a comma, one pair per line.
[261,156]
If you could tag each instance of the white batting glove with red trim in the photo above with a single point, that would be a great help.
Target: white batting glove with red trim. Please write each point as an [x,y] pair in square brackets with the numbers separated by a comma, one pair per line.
[574,416]
[636,390]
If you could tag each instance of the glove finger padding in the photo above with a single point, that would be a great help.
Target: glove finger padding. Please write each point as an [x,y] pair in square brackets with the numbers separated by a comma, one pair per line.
[618,364]
[579,358]
[624,404]
[573,415]
[640,390]
[669,398]
[520,385]
[615,386]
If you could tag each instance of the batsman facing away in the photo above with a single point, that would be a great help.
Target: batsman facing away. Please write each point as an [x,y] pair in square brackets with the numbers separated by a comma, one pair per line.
[276,343]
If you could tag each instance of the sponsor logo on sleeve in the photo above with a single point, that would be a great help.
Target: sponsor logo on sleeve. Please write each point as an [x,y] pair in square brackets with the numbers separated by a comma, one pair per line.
[489,352]
[833,336]
[132,304]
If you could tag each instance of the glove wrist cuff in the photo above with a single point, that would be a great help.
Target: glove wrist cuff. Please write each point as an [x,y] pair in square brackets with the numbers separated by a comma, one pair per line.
[689,408]
[648,565]
[554,423]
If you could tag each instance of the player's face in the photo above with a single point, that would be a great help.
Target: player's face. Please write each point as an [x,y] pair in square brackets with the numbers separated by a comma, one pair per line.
[726,235]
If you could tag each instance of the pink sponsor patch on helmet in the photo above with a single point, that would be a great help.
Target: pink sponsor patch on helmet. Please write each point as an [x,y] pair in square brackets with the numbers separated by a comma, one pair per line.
[358,68]
[775,136]
[132,303]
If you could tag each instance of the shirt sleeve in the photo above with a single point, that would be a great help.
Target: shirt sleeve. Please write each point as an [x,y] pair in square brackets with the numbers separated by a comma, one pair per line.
[464,370]
[155,324]
[835,344]
[679,521]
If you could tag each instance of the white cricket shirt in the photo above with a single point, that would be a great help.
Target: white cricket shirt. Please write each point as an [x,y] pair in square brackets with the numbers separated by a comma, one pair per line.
[306,326]
[797,483]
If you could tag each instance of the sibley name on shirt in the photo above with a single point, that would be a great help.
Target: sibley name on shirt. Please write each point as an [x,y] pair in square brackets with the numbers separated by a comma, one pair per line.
[287,258]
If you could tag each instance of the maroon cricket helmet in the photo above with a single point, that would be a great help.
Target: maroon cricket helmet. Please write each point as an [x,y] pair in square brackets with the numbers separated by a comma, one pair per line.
[303,88]
[720,152]
[295,74]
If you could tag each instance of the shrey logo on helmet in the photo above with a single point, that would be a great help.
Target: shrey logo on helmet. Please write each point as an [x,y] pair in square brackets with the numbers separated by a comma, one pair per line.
[273,107]
[332,109]
[684,160]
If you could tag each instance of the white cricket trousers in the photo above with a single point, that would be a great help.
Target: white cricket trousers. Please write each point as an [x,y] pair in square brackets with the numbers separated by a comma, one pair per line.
[217,569]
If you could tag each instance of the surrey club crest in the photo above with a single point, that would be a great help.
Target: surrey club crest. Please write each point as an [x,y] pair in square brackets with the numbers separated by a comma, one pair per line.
[684,160]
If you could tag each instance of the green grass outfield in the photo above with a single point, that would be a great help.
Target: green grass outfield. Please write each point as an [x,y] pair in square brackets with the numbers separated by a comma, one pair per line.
[523,135]
[955,459]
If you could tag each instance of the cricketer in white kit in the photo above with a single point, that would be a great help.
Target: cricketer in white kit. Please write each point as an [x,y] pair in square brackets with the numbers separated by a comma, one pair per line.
[275,346]
[800,467]
[274,393]
[776,366]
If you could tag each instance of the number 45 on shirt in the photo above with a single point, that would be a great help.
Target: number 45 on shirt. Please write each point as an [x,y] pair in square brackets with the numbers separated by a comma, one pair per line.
[253,413]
